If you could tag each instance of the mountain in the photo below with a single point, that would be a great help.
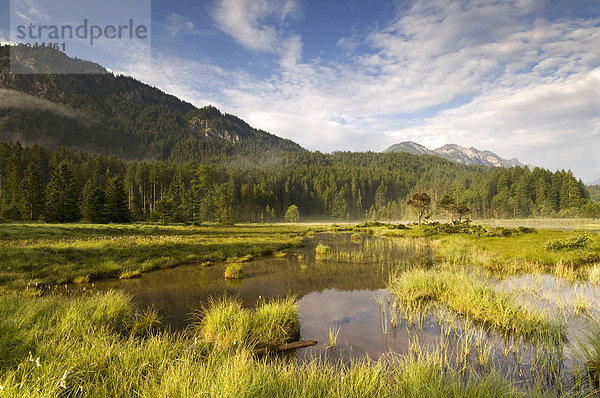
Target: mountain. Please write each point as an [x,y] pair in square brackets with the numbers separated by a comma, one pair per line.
[102,113]
[457,154]
[595,182]
[410,147]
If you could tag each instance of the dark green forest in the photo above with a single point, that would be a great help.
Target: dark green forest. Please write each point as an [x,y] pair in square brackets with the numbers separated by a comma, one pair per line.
[63,185]
[106,148]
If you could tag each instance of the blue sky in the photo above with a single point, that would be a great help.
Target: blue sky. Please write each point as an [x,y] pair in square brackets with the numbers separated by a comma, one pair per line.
[518,77]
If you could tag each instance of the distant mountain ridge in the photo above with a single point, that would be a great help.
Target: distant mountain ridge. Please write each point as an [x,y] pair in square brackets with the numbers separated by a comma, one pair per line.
[595,182]
[458,154]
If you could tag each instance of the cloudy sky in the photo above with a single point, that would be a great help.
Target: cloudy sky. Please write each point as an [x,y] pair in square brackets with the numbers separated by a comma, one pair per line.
[518,77]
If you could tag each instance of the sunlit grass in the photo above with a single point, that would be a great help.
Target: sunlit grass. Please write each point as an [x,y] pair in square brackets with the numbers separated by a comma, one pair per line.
[323,250]
[519,253]
[228,326]
[40,254]
[234,271]
[474,298]
[89,347]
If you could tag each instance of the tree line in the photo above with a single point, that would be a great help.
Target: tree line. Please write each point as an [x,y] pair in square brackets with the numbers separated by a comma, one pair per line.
[63,186]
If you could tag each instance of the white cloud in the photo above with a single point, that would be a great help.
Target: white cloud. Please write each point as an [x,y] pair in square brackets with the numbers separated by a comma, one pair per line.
[178,24]
[494,75]
[255,24]
[30,8]
[556,125]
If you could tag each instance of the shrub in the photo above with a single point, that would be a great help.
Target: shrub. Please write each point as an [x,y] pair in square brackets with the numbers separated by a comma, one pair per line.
[571,243]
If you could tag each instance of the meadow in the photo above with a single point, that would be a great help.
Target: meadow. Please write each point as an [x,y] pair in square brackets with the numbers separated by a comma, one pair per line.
[37,255]
[101,344]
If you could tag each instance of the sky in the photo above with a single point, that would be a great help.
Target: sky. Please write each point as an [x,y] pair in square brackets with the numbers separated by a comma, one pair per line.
[520,78]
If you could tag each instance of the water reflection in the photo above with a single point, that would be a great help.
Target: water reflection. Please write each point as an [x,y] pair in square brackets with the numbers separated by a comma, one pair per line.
[362,266]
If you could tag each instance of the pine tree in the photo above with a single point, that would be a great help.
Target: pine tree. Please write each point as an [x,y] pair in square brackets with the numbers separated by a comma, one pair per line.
[95,209]
[11,190]
[164,210]
[449,205]
[116,201]
[569,192]
[420,202]
[33,197]
[62,195]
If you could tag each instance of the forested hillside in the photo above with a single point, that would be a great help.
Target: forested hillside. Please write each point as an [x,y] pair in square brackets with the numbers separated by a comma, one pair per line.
[108,148]
[594,191]
[118,115]
[66,186]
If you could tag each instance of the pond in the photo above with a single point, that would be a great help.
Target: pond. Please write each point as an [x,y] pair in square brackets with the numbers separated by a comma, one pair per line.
[344,290]
[344,305]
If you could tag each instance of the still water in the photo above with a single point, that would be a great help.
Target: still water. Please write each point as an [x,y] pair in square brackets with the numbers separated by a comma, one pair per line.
[344,291]
[344,294]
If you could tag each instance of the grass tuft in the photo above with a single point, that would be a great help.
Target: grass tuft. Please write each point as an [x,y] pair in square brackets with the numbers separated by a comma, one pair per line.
[131,274]
[234,271]
[323,250]
[469,296]
[228,326]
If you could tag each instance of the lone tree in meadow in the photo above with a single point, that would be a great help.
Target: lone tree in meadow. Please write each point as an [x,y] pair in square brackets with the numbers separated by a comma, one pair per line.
[462,209]
[449,205]
[292,214]
[420,202]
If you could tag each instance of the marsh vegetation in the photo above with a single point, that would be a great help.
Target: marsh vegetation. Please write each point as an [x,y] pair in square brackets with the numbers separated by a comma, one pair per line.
[440,311]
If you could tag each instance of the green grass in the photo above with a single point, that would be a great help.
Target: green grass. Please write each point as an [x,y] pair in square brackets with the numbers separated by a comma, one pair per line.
[520,252]
[323,250]
[228,326]
[588,351]
[517,254]
[131,274]
[88,347]
[280,254]
[101,345]
[234,271]
[41,254]
[476,299]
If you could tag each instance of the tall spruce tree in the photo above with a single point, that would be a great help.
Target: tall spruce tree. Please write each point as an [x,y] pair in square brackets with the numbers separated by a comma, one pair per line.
[62,195]
[11,189]
[95,209]
[33,197]
[116,201]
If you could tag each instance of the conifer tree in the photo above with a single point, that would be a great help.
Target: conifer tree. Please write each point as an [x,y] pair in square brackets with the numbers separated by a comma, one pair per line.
[95,209]
[449,205]
[116,201]
[292,214]
[62,195]
[33,197]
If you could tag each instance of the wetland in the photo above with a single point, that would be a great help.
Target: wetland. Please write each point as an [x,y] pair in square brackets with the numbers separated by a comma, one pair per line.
[439,310]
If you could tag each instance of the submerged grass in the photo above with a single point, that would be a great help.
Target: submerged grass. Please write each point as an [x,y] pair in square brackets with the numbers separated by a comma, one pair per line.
[479,301]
